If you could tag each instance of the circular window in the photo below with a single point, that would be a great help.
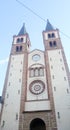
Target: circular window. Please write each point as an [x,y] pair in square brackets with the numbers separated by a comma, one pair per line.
[37,87]
[36,57]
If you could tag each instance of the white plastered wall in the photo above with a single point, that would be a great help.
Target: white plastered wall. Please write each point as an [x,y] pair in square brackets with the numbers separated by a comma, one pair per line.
[60,85]
[44,95]
[31,98]
[15,39]
[13,93]
[46,35]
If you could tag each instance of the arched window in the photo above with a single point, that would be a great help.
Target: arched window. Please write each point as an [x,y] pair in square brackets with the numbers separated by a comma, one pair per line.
[41,71]
[17,48]
[54,43]
[49,35]
[21,39]
[53,35]
[18,40]
[31,72]
[50,43]
[20,48]
[36,72]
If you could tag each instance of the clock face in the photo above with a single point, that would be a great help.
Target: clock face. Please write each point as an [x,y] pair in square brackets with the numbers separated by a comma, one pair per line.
[36,57]
[37,87]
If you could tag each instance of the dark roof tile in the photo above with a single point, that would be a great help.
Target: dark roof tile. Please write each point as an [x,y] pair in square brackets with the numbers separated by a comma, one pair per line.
[22,30]
[49,27]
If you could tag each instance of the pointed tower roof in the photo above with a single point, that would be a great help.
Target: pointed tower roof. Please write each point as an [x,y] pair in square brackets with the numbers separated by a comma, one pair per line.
[49,27]
[22,30]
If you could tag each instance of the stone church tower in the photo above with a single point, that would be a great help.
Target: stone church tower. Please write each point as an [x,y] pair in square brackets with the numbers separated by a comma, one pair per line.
[36,94]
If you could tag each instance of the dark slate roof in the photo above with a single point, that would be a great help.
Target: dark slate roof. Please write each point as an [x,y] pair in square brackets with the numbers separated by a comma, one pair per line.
[49,27]
[22,30]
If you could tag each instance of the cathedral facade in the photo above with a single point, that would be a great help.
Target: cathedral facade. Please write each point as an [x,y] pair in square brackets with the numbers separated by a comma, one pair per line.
[36,93]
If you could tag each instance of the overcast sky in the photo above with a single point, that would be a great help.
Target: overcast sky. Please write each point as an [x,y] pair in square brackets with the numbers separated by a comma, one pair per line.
[13,15]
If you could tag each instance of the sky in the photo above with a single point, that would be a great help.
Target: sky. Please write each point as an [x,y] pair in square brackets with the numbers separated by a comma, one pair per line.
[12,17]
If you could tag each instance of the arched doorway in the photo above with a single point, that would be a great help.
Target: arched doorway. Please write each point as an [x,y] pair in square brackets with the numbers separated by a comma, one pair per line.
[37,124]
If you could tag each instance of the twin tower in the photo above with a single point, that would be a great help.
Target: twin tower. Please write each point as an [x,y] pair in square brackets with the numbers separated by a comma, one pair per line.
[36,93]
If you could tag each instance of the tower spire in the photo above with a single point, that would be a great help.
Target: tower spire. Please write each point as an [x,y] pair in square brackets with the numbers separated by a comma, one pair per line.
[49,27]
[22,30]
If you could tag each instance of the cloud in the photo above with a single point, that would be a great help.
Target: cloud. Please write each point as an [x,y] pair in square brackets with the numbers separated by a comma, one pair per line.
[4,61]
